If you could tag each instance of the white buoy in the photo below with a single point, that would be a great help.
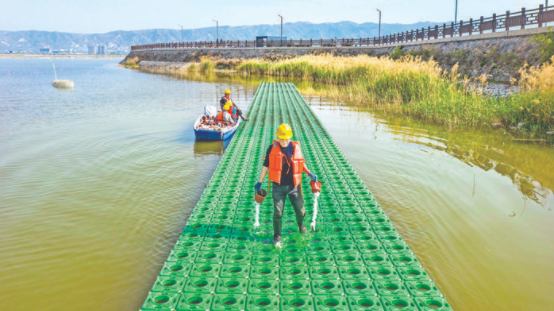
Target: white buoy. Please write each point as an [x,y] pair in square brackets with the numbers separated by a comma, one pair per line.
[62,84]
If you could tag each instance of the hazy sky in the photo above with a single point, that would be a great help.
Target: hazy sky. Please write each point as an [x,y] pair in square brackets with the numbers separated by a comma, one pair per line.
[98,16]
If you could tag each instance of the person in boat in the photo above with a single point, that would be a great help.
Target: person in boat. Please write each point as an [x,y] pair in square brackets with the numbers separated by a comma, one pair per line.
[226,99]
[223,118]
[232,110]
[285,164]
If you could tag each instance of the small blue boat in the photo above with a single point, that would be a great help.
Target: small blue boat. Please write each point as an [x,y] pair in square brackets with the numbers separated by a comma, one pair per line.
[220,134]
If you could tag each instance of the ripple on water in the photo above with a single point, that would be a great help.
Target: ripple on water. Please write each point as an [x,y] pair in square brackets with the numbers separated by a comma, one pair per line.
[95,187]
[473,206]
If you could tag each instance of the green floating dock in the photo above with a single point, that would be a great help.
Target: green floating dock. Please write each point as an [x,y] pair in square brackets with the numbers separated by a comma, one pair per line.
[354,261]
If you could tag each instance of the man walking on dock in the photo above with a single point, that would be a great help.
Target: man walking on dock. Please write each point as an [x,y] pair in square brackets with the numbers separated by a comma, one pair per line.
[226,99]
[285,164]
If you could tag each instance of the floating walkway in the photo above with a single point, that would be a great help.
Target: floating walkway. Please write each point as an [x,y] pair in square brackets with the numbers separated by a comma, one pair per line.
[355,261]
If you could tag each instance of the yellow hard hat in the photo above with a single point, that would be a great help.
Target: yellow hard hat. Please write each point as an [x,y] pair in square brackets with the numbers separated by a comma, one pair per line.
[284,131]
[227,91]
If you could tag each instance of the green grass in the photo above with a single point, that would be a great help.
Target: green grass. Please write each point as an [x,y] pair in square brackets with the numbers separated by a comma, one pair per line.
[397,53]
[545,44]
[131,65]
[207,66]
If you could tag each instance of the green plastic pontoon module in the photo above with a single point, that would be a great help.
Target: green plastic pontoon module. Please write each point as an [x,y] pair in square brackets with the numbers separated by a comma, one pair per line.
[354,261]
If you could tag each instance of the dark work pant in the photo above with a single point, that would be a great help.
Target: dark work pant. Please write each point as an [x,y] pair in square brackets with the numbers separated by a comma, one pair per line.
[239,114]
[279,194]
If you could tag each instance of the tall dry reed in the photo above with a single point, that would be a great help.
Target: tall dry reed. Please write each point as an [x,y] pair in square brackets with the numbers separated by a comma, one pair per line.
[538,78]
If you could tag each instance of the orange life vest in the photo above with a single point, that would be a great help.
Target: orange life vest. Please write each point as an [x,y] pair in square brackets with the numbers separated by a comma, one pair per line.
[276,163]
[220,118]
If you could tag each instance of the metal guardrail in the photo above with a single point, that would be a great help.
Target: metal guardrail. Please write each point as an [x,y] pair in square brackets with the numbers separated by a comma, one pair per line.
[504,22]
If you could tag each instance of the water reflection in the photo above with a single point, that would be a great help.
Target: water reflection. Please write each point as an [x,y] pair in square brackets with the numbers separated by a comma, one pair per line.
[526,165]
[301,84]
[208,148]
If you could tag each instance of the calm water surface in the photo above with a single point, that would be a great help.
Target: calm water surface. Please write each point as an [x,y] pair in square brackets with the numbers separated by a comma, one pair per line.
[96,184]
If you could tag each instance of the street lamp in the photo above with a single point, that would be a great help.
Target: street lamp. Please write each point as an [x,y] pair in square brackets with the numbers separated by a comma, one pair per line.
[546,9]
[182,40]
[456,12]
[281,45]
[216,33]
[379,23]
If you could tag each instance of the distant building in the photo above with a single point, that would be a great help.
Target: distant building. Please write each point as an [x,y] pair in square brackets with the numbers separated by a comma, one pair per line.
[45,51]
[91,49]
[101,50]
[264,41]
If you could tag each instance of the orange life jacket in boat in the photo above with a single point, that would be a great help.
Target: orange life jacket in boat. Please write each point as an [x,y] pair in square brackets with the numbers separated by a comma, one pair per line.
[220,118]
[276,163]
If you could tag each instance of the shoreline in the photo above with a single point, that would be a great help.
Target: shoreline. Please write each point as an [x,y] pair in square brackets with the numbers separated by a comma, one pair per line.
[493,87]
[69,56]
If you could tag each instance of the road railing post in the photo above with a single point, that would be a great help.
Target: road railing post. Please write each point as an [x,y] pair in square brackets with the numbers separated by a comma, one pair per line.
[506,21]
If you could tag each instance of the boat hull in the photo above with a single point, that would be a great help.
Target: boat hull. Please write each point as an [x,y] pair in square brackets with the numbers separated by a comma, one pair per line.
[202,134]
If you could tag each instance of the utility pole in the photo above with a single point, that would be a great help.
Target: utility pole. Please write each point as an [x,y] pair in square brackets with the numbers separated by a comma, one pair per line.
[379,24]
[216,33]
[546,9]
[281,45]
[456,13]
[182,40]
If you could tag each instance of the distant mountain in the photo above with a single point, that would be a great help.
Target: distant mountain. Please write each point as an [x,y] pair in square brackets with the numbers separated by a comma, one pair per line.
[120,41]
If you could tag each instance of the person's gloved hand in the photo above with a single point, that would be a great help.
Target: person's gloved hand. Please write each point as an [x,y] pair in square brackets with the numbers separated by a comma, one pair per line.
[313,176]
[257,187]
